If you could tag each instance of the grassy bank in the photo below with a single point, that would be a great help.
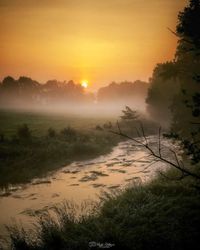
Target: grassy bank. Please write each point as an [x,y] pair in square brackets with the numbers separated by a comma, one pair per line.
[163,214]
[23,158]
[39,123]
[49,141]
[46,143]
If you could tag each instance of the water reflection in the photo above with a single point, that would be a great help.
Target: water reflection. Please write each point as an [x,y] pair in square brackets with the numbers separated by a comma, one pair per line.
[77,182]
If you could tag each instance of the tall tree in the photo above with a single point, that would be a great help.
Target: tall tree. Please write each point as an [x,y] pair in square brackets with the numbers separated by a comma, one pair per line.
[164,85]
[186,107]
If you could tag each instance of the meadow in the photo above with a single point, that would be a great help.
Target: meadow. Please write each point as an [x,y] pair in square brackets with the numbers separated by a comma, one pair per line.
[40,122]
[32,144]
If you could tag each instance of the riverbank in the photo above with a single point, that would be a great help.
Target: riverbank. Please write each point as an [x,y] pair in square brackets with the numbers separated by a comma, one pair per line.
[32,144]
[158,213]
[78,181]
[23,159]
[162,214]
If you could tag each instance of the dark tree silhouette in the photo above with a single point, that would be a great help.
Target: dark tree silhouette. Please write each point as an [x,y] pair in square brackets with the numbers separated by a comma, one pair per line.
[123,92]
[186,69]
[164,86]
[28,92]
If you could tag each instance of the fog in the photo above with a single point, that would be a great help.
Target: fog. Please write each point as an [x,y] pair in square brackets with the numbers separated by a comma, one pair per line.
[71,98]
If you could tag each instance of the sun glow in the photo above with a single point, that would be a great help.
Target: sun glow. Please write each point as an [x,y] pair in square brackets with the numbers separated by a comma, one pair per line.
[84,84]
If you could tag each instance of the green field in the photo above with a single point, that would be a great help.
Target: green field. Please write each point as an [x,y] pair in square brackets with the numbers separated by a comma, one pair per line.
[39,123]
[32,144]
[25,156]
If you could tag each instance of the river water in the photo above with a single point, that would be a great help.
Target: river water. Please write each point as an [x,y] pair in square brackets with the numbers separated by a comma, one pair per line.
[78,182]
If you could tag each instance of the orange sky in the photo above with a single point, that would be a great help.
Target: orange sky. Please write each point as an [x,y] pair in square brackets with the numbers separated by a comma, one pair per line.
[97,40]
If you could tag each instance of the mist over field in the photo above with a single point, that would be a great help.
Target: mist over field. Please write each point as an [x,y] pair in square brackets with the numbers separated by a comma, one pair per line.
[71,98]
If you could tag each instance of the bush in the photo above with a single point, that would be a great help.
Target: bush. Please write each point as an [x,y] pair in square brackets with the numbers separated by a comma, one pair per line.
[51,133]
[2,137]
[24,132]
[69,134]
[98,127]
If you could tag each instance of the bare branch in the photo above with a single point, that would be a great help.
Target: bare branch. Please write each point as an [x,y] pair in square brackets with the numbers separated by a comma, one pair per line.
[158,156]
[175,155]
[159,143]
[119,127]
[185,40]
[141,171]
[173,32]
[137,131]
[144,136]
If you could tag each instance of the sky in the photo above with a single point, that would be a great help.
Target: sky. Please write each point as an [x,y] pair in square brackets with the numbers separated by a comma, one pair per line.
[95,40]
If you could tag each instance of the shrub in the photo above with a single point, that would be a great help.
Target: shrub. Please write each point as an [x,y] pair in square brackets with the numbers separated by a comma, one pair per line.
[69,133]
[51,133]
[24,132]
[2,138]
[98,127]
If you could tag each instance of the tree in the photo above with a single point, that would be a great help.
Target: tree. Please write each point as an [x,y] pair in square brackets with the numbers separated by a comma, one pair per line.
[164,86]
[188,63]
[24,132]
[185,107]
[123,92]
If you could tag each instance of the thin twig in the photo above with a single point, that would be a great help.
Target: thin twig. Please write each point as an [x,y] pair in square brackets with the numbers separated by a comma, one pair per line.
[175,155]
[158,156]
[183,39]
[142,128]
[137,131]
[159,144]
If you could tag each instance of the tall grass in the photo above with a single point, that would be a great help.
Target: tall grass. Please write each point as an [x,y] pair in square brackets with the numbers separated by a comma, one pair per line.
[25,156]
[162,214]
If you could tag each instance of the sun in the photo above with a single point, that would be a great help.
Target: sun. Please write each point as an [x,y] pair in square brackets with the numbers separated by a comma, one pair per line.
[84,84]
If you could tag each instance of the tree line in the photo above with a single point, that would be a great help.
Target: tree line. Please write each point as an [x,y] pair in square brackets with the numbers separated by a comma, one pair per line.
[25,90]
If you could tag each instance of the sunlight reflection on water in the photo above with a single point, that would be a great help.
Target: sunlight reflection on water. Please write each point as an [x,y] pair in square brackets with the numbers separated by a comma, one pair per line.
[78,181]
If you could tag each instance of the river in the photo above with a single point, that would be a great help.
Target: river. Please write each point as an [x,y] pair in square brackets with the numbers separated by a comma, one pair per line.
[78,181]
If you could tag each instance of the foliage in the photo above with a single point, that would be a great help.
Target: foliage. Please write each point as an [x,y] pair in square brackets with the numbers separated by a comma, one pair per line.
[24,132]
[30,93]
[22,159]
[164,86]
[124,92]
[51,133]
[184,72]
[69,134]
[188,64]
[129,114]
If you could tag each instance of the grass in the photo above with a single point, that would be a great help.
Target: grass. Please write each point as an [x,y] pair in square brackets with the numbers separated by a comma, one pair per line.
[39,123]
[46,143]
[25,158]
[31,144]
[163,214]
